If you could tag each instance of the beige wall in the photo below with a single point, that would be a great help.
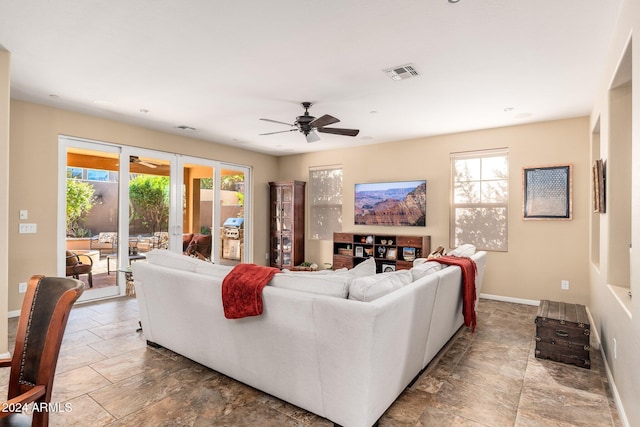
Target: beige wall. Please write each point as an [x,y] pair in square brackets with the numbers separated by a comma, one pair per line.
[611,319]
[4,194]
[541,253]
[34,170]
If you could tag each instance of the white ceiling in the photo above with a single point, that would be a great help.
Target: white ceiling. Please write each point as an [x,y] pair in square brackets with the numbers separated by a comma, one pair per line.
[218,66]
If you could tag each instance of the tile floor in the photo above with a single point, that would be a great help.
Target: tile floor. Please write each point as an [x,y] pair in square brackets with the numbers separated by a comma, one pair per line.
[109,377]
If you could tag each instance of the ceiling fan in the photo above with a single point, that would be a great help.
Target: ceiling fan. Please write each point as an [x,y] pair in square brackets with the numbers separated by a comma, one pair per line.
[136,159]
[309,125]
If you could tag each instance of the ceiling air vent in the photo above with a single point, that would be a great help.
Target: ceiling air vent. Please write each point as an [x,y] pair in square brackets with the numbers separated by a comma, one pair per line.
[401,72]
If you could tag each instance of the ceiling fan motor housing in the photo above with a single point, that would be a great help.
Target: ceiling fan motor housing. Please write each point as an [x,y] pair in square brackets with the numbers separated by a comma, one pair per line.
[303,123]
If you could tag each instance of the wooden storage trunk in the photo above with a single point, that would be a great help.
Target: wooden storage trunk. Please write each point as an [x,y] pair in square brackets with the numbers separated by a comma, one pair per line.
[562,333]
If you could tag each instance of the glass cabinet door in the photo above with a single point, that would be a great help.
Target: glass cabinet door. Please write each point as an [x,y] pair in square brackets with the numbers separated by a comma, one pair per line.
[286,250]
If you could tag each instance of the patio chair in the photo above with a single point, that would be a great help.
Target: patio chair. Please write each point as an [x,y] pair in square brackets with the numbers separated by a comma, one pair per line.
[199,247]
[75,267]
[43,319]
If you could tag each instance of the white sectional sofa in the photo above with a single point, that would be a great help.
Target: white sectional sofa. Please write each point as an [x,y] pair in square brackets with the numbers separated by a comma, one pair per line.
[343,359]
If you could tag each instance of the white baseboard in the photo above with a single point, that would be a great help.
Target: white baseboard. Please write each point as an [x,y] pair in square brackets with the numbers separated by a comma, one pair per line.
[614,390]
[5,355]
[14,313]
[510,299]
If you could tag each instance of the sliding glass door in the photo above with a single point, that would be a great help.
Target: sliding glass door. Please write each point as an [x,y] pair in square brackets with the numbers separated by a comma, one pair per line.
[89,194]
[117,203]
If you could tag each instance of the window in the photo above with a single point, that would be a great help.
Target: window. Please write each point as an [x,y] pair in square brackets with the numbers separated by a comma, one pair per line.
[97,175]
[480,196]
[325,201]
[74,173]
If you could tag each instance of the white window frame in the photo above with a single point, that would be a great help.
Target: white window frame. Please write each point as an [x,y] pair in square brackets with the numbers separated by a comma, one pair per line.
[453,241]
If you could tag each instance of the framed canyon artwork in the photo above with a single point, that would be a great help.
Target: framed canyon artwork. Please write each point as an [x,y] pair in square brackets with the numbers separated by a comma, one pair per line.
[400,203]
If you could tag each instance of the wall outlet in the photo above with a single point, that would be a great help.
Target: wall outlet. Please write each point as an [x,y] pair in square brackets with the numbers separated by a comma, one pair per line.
[24,214]
[22,287]
[564,285]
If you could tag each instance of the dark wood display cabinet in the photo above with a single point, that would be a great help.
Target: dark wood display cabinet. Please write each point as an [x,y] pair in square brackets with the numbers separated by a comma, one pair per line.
[286,223]
[391,251]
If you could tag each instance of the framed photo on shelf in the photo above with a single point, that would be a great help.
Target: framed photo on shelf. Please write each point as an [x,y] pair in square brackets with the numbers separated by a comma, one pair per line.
[386,268]
[546,192]
[408,254]
[359,251]
[392,253]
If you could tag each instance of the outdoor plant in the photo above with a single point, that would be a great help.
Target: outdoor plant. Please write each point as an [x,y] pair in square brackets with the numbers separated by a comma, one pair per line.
[80,200]
[149,197]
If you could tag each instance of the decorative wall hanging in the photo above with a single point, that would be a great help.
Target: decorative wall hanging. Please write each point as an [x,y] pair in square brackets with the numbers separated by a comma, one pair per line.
[546,192]
[598,179]
[391,203]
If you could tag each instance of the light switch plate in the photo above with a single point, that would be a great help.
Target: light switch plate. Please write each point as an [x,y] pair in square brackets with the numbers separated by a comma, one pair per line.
[27,228]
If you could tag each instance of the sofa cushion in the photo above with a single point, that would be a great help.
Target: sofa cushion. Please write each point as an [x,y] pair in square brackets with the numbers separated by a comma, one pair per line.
[465,250]
[317,272]
[370,288]
[365,268]
[173,260]
[426,268]
[334,285]
[215,270]
[107,237]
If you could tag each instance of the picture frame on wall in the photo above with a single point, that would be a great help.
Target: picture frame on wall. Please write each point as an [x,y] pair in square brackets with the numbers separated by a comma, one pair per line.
[359,251]
[396,203]
[598,184]
[547,192]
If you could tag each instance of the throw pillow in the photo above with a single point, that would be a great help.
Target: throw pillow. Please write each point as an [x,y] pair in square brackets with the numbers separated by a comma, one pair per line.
[424,269]
[373,287]
[334,285]
[365,268]
[465,250]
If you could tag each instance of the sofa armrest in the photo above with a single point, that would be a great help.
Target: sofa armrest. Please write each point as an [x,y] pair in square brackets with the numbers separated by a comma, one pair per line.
[368,352]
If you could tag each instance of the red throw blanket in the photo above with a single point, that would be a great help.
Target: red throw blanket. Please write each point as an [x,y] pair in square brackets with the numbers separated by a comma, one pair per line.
[469,270]
[242,290]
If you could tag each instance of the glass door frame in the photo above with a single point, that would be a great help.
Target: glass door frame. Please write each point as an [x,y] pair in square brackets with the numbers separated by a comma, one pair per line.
[64,143]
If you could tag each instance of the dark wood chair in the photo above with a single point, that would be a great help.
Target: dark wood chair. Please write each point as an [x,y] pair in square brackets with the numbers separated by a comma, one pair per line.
[75,267]
[43,318]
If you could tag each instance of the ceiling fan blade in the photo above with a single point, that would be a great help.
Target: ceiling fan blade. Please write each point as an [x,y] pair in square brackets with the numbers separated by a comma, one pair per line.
[312,136]
[275,121]
[147,164]
[339,131]
[323,121]
[280,131]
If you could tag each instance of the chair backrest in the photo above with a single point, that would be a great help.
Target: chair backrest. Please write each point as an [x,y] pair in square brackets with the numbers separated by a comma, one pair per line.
[43,318]
[72,259]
